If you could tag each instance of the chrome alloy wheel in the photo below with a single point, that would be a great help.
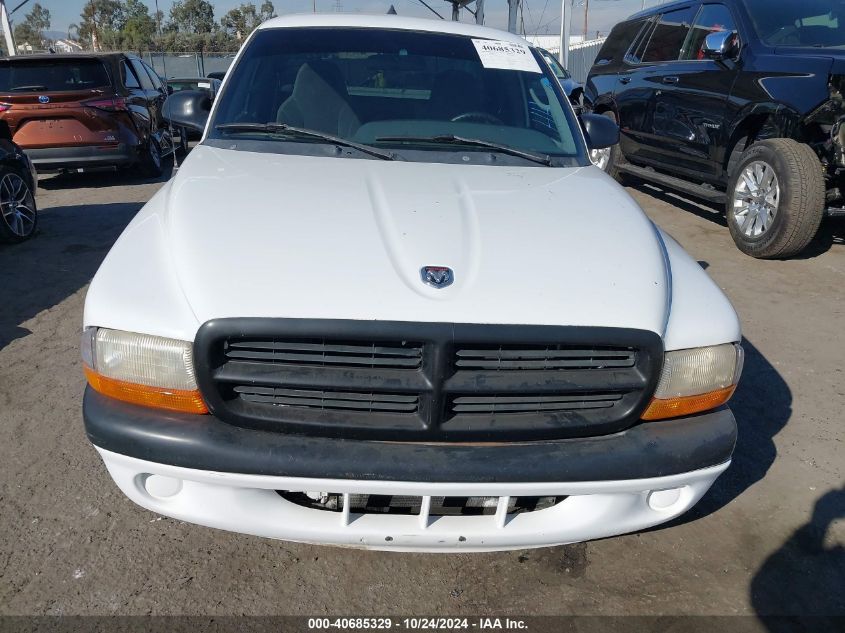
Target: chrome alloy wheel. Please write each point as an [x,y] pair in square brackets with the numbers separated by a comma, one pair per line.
[16,205]
[600,157]
[755,199]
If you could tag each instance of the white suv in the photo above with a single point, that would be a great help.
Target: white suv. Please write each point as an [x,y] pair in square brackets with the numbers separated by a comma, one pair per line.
[387,302]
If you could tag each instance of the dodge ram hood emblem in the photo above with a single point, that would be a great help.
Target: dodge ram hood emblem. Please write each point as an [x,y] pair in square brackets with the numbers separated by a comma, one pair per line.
[437,276]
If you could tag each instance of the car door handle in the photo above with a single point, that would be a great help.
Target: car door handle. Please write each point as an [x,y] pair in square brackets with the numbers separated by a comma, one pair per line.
[671,79]
[624,80]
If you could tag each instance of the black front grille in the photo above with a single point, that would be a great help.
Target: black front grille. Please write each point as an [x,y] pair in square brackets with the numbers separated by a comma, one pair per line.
[425,381]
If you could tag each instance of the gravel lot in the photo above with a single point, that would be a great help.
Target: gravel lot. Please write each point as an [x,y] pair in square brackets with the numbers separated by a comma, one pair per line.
[768,539]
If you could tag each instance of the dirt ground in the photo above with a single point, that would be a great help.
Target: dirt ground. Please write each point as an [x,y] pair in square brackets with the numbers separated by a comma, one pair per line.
[768,539]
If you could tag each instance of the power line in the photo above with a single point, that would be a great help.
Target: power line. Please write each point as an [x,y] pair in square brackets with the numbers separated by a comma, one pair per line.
[422,2]
[545,6]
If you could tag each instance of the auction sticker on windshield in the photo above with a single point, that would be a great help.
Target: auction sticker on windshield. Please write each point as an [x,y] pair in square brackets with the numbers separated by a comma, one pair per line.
[506,55]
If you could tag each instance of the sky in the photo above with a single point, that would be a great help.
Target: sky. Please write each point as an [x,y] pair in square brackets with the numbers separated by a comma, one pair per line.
[542,17]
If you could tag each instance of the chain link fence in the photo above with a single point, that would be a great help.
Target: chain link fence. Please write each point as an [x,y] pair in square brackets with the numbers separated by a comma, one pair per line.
[196,64]
[581,58]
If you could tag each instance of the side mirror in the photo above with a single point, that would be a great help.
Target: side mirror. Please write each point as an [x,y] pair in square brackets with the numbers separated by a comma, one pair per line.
[720,45]
[569,88]
[169,90]
[187,108]
[600,131]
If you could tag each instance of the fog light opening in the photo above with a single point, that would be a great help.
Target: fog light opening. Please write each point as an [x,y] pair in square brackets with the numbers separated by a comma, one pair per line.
[161,487]
[663,500]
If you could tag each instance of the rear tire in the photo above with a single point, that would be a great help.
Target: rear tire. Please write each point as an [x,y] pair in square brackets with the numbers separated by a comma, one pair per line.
[776,199]
[151,159]
[18,211]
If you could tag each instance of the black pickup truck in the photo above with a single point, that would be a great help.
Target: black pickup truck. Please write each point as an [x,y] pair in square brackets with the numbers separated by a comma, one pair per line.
[738,102]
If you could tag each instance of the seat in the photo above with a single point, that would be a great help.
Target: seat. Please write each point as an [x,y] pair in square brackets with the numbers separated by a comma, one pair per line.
[319,101]
[454,92]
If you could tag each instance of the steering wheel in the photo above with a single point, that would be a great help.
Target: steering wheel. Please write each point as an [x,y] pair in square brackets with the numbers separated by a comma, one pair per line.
[477,117]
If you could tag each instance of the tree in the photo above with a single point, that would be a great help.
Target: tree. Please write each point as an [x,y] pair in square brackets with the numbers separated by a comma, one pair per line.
[267,11]
[139,29]
[192,16]
[101,23]
[31,30]
[242,20]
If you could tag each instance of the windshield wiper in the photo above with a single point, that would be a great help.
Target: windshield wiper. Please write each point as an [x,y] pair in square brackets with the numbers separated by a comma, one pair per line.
[274,128]
[451,139]
[33,87]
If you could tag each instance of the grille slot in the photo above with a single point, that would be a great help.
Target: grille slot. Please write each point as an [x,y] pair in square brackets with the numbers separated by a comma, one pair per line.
[544,358]
[325,400]
[532,404]
[416,505]
[326,353]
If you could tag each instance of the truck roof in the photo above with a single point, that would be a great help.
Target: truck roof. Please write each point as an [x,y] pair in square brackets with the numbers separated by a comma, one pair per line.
[60,56]
[358,20]
[660,8]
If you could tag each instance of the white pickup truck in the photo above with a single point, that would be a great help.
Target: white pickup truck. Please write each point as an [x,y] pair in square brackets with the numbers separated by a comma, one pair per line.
[387,302]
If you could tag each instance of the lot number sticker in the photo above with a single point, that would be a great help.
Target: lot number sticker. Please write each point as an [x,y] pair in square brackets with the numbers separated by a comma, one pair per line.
[506,55]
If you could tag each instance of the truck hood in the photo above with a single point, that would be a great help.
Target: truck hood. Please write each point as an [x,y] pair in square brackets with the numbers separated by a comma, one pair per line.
[272,235]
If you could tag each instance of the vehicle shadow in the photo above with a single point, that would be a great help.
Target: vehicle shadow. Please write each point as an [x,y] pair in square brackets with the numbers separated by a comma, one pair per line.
[706,210]
[762,406]
[59,260]
[105,178]
[831,232]
[804,578]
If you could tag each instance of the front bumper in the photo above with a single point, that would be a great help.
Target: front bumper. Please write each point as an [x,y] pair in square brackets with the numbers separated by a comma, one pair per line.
[215,474]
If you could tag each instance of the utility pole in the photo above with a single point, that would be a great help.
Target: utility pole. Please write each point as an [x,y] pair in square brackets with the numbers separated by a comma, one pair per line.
[566,7]
[513,7]
[7,29]
[586,11]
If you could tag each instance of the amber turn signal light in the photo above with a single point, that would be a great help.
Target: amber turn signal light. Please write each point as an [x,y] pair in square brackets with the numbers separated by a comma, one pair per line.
[158,397]
[687,405]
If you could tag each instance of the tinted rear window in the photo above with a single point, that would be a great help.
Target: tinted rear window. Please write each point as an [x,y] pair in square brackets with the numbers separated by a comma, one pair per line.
[669,36]
[619,40]
[52,75]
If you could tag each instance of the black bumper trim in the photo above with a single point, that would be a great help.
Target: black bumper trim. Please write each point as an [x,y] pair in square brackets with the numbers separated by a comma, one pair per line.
[55,158]
[203,442]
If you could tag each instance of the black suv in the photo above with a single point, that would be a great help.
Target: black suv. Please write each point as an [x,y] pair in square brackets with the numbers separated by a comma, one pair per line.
[736,101]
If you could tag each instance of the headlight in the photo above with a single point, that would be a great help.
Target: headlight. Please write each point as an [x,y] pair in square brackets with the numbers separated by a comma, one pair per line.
[695,380]
[149,370]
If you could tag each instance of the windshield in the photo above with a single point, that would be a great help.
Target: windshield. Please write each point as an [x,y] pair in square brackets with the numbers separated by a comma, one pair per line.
[559,71]
[816,23]
[415,94]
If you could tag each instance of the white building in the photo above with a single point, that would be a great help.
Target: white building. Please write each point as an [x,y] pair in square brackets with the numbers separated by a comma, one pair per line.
[67,46]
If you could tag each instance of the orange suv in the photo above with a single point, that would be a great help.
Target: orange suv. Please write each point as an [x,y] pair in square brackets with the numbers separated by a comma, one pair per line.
[84,111]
